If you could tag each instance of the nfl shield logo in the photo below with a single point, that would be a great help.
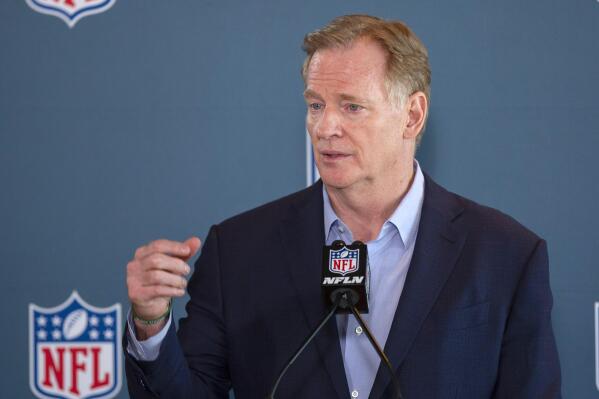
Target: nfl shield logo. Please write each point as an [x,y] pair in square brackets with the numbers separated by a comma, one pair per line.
[343,261]
[74,350]
[70,11]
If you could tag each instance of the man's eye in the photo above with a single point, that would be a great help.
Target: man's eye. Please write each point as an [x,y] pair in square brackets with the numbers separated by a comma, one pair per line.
[316,106]
[354,107]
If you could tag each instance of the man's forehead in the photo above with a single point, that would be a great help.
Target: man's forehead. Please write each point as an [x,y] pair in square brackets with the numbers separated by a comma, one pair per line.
[361,56]
[347,70]
[356,53]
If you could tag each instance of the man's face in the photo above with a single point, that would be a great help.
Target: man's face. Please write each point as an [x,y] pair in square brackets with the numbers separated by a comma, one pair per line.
[356,131]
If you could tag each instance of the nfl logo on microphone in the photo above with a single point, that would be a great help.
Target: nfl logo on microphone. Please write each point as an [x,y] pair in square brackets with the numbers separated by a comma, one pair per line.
[343,261]
[74,350]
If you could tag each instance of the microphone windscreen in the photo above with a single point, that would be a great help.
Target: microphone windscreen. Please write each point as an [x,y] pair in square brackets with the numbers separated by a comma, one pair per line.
[346,267]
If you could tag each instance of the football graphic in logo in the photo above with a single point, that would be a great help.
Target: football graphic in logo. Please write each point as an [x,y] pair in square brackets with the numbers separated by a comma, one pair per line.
[74,324]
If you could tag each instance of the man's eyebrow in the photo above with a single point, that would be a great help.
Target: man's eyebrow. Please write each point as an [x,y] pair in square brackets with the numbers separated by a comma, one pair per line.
[344,97]
[349,97]
[311,93]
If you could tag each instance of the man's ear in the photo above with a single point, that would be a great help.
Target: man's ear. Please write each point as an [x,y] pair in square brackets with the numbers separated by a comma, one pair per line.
[417,108]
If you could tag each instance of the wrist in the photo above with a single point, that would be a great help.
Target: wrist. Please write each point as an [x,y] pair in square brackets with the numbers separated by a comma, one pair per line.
[148,326]
[144,332]
[150,321]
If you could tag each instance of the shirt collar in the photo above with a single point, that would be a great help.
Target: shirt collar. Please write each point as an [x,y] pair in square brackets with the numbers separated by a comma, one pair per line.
[405,218]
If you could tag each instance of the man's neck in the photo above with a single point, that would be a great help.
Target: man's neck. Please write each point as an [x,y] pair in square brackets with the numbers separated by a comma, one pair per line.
[365,209]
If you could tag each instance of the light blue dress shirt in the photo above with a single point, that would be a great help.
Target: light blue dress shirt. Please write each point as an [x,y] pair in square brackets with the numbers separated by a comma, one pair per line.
[389,256]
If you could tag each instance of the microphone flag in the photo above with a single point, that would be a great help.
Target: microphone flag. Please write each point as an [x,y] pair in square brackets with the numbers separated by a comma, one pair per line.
[346,267]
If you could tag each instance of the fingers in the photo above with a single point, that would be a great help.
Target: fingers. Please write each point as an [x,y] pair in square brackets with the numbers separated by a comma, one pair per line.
[162,278]
[156,276]
[161,291]
[155,269]
[147,296]
[194,245]
[167,247]
[158,271]
[158,261]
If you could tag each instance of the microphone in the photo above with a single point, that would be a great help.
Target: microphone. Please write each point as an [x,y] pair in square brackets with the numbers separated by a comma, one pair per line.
[345,274]
[345,270]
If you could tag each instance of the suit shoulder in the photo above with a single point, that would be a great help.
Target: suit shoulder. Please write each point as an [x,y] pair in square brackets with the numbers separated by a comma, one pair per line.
[270,213]
[489,222]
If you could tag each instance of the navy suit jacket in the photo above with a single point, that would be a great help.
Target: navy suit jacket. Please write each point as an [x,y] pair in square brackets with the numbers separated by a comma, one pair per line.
[473,321]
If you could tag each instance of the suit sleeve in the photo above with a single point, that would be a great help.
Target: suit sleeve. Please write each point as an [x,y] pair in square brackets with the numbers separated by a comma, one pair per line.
[193,362]
[529,364]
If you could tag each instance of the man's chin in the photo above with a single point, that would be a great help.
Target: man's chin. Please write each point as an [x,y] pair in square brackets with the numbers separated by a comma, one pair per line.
[337,182]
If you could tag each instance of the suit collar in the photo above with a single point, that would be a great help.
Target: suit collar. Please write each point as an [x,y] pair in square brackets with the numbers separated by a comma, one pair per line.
[438,246]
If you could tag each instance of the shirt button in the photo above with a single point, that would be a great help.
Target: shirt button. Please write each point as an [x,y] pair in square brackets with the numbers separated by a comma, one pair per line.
[341,229]
[358,331]
[354,394]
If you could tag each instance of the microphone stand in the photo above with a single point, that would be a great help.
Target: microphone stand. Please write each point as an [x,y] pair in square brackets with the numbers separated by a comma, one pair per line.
[324,321]
[343,298]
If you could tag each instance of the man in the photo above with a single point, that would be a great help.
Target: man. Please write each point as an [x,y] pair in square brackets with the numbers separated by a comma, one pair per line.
[459,293]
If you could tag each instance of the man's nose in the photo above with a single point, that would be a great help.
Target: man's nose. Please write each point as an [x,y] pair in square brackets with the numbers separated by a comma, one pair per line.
[329,124]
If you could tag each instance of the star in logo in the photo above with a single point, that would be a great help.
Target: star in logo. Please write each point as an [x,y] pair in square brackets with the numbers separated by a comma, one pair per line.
[41,321]
[56,335]
[108,321]
[56,321]
[108,334]
[93,321]
[42,334]
[94,334]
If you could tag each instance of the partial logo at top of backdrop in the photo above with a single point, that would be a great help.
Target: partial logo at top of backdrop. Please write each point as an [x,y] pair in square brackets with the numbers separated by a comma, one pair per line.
[75,350]
[70,11]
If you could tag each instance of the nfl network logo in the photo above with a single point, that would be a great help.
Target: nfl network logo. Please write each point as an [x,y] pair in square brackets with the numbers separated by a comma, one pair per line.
[343,261]
[74,350]
[70,11]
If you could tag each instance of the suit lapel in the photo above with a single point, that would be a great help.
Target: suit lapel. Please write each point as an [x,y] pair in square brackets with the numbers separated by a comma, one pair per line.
[302,233]
[436,251]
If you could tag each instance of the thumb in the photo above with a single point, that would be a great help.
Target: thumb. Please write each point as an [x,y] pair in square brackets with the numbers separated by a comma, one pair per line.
[194,245]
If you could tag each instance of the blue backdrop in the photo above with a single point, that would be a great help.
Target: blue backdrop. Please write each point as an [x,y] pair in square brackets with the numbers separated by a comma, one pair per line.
[159,118]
